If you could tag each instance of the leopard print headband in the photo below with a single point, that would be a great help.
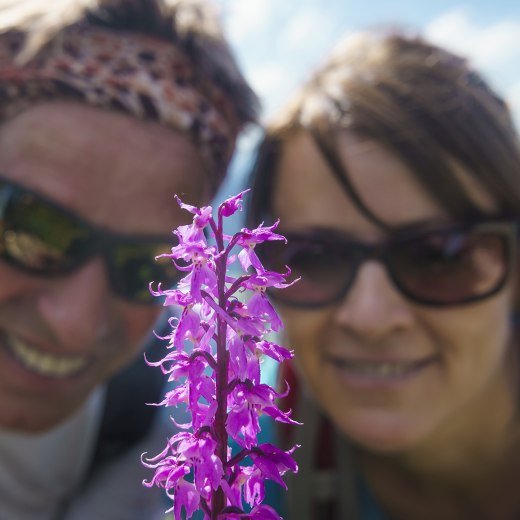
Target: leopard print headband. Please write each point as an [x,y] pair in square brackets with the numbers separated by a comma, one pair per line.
[140,75]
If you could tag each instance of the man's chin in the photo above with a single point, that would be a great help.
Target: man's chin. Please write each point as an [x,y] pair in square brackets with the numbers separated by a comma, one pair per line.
[31,421]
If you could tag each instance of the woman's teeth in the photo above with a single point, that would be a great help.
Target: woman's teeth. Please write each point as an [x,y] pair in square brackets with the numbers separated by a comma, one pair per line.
[45,364]
[374,369]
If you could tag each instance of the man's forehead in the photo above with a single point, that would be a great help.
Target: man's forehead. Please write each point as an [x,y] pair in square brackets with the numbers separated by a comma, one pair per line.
[110,168]
[140,75]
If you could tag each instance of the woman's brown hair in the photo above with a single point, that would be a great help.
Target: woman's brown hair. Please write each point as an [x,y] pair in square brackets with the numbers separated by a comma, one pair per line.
[426,104]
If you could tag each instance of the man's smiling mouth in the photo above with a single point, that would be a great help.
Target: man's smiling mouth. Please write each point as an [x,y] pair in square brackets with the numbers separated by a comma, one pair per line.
[44,364]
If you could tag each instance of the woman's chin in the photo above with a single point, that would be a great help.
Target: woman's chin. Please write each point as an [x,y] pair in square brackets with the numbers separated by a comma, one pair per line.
[384,432]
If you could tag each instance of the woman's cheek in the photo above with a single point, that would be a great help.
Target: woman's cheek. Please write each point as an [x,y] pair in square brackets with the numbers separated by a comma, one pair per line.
[472,340]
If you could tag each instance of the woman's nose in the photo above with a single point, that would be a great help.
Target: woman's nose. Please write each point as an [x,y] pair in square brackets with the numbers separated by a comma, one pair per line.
[373,307]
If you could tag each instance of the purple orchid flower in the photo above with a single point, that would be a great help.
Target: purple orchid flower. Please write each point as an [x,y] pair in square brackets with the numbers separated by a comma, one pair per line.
[232,205]
[257,513]
[249,238]
[214,358]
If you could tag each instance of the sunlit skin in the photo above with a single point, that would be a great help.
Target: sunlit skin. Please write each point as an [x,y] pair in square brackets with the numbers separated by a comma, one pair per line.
[452,420]
[120,174]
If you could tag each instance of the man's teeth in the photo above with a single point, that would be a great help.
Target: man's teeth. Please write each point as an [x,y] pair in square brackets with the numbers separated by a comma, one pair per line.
[377,369]
[45,364]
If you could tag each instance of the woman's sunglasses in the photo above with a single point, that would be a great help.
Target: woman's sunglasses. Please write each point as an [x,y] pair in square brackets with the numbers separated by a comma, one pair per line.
[438,267]
[44,239]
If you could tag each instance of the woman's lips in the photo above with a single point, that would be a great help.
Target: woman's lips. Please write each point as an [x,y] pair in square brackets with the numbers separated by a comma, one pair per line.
[379,371]
[42,363]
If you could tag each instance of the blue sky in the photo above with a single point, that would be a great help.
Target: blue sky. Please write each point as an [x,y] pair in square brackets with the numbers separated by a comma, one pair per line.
[279,41]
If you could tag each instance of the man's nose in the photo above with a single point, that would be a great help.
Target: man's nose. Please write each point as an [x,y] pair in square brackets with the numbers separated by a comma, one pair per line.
[373,307]
[76,307]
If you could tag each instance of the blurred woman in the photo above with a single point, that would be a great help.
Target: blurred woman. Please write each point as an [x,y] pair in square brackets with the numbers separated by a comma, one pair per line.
[395,173]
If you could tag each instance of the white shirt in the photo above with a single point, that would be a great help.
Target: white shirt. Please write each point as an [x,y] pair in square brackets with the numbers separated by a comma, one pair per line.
[39,471]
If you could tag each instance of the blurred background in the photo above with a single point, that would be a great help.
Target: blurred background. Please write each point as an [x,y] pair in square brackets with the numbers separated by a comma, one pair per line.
[278,42]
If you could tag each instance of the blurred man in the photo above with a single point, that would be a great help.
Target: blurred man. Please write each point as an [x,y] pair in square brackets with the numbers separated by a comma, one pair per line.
[108,108]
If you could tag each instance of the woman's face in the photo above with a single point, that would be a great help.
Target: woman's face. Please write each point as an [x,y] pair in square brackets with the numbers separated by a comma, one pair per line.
[391,373]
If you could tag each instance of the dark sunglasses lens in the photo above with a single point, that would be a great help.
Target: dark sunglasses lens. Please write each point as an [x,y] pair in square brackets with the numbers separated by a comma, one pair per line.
[451,267]
[39,237]
[133,266]
[324,269]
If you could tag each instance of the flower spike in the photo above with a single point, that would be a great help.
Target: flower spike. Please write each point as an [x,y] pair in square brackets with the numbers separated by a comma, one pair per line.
[215,350]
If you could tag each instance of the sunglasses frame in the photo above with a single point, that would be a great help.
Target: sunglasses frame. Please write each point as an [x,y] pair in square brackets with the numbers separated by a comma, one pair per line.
[99,241]
[380,252]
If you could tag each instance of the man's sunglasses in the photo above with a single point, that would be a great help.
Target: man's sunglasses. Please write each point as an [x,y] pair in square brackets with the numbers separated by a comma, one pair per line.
[438,267]
[45,239]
